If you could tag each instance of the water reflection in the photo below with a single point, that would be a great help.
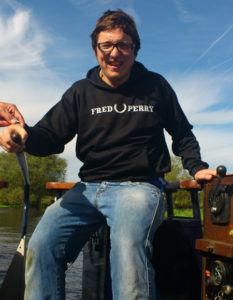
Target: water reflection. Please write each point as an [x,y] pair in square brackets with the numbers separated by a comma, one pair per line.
[10,234]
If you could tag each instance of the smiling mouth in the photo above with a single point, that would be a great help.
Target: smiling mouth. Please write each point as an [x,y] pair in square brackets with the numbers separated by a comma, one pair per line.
[115,65]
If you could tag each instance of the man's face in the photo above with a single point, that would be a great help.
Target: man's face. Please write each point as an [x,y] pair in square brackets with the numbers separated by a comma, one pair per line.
[115,65]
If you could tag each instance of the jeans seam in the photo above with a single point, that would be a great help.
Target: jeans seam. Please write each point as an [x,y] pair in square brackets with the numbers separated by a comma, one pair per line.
[146,246]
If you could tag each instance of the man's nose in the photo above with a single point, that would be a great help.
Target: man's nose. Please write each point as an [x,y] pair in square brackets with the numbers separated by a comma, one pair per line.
[115,51]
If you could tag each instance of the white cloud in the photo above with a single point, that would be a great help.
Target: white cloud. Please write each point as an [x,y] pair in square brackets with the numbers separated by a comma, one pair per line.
[21,43]
[216,147]
[33,98]
[184,14]
[214,117]
[25,79]
[203,97]
[73,162]
[199,92]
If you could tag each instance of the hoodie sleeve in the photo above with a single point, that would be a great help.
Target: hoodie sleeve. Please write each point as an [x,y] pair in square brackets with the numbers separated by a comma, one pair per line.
[55,129]
[184,143]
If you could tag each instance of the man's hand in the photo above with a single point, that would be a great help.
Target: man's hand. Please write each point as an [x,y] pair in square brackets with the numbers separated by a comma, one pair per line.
[205,174]
[6,141]
[9,114]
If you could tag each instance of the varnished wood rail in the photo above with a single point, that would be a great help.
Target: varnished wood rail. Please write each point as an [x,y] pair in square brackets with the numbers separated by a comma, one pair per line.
[172,186]
[190,185]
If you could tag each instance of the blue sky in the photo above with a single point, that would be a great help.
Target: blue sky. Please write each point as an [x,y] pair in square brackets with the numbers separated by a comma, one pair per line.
[45,46]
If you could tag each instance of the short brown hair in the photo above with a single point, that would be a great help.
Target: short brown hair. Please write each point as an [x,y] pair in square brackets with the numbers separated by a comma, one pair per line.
[116,19]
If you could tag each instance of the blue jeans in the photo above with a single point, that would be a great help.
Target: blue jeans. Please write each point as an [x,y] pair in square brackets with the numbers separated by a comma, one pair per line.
[133,210]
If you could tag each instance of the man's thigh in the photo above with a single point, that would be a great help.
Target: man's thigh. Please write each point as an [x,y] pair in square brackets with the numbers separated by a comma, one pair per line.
[68,223]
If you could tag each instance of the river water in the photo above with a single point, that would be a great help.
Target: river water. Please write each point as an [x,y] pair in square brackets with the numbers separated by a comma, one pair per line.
[10,233]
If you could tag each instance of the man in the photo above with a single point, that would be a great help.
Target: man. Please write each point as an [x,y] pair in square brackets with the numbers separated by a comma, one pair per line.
[119,113]
[9,114]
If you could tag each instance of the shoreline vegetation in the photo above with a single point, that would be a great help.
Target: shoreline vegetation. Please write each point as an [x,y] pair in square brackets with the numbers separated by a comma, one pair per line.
[41,170]
[178,212]
[53,168]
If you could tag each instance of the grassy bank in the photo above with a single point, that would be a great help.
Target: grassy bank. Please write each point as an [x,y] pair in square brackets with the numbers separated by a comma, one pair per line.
[9,206]
[186,212]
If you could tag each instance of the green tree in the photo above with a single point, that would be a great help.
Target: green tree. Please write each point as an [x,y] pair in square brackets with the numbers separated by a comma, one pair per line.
[181,199]
[177,171]
[41,170]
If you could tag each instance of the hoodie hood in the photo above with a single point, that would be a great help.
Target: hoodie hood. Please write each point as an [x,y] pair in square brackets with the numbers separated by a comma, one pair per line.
[137,72]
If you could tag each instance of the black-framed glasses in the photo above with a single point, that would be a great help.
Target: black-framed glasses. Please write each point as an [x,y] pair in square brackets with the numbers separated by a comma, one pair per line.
[122,47]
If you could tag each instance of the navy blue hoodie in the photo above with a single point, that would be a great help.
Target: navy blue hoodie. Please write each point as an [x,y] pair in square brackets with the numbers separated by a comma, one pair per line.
[120,130]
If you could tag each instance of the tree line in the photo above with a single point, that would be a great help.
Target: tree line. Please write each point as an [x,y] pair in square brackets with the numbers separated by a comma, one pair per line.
[53,168]
[41,170]
[181,199]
